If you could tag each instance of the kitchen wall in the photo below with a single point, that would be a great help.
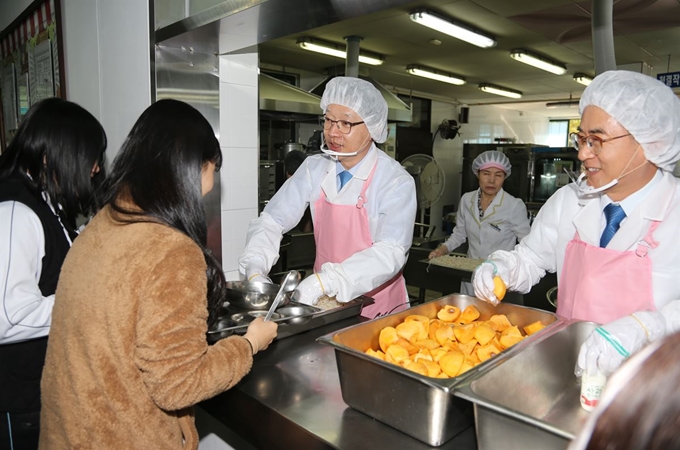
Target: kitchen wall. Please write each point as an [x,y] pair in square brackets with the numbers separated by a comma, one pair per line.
[108,62]
[240,150]
[106,58]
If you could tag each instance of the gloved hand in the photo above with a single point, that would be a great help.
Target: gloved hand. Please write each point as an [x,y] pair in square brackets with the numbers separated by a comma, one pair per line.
[482,279]
[257,274]
[313,287]
[260,334]
[609,345]
[437,252]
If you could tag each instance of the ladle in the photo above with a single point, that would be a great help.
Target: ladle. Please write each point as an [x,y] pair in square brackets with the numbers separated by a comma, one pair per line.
[289,283]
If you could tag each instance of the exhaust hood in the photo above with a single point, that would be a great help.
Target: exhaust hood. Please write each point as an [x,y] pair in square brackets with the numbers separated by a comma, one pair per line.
[397,111]
[283,100]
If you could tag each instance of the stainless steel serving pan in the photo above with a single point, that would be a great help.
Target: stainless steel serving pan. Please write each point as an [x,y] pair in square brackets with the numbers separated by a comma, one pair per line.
[419,406]
[530,399]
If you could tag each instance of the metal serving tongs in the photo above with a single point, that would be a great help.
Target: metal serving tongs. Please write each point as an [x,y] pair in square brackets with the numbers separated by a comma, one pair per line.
[289,283]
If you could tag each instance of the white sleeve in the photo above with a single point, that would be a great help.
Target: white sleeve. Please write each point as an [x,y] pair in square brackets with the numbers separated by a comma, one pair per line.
[368,269]
[281,214]
[25,313]
[520,220]
[459,234]
[536,253]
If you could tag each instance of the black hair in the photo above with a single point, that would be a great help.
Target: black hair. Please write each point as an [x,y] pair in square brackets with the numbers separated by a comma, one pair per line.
[54,151]
[159,169]
[293,160]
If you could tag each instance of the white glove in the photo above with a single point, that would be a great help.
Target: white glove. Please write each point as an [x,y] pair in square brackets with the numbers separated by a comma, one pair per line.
[609,345]
[313,287]
[482,279]
[257,274]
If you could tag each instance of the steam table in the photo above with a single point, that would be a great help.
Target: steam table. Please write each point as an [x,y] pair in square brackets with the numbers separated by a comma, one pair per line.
[291,399]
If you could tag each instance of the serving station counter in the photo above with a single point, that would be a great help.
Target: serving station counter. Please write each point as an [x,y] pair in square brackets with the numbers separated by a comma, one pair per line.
[292,399]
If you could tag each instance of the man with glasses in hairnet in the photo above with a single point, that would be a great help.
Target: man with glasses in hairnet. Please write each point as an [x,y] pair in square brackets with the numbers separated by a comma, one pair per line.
[612,235]
[363,206]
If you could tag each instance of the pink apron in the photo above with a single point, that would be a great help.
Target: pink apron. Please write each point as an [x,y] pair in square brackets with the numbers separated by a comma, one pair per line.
[601,285]
[341,231]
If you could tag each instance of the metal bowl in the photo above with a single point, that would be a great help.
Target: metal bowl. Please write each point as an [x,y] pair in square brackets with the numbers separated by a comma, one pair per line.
[253,295]
[296,314]
[256,314]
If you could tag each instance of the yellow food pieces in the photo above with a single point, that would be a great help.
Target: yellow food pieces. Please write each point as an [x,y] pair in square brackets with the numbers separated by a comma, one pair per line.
[533,328]
[499,287]
[449,344]
[448,313]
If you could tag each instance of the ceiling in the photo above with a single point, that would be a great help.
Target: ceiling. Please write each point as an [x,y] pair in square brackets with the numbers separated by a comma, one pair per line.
[646,37]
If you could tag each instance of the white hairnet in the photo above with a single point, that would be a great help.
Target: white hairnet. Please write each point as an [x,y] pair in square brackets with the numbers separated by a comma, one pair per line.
[492,158]
[361,97]
[644,106]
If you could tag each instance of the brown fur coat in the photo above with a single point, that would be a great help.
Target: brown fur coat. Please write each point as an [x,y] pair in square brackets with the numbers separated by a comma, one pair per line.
[127,355]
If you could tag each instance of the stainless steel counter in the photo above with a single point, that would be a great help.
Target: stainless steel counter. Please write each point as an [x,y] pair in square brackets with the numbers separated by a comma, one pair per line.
[292,399]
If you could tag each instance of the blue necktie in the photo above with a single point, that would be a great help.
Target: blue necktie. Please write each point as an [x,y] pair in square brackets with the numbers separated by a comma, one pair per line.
[614,214]
[344,178]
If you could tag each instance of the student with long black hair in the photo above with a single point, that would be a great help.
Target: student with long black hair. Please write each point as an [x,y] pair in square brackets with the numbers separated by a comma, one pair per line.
[49,175]
[128,356]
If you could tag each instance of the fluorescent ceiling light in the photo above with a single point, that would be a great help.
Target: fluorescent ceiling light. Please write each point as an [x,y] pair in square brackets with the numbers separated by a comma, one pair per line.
[435,74]
[583,79]
[491,89]
[538,62]
[455,29]
[328,48]
[564,104]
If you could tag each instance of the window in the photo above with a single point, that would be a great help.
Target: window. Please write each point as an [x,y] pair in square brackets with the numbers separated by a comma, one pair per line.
[558,133]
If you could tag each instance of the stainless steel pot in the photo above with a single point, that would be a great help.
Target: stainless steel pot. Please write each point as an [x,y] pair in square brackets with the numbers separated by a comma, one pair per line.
[290,146]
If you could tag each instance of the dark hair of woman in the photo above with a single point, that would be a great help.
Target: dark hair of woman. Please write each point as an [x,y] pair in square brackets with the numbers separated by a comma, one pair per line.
[55,150]
[645,414]
[159,169]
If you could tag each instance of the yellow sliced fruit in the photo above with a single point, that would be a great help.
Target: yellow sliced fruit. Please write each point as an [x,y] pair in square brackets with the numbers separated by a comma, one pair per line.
[499,287]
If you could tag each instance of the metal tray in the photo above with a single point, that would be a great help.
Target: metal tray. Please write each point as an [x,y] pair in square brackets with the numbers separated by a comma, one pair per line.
[293,318]
[417,405]
[530,399]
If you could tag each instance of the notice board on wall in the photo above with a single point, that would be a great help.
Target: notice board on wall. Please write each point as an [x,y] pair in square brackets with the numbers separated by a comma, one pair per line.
[31,58]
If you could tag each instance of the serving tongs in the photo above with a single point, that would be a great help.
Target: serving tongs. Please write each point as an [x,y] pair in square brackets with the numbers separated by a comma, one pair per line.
[289,283]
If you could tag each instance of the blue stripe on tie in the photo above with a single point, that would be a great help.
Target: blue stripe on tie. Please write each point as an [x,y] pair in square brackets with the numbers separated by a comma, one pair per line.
[614,214]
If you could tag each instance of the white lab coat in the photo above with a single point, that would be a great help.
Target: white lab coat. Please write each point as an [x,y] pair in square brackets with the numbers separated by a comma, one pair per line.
[391,208]
[505,222]
[564,213]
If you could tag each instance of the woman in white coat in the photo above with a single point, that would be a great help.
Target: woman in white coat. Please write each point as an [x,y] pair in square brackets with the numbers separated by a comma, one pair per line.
[612,240]
[489,218]
[363,206]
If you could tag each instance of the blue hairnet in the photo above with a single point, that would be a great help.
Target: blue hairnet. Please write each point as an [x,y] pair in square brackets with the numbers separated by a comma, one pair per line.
[361,97]
[644,106]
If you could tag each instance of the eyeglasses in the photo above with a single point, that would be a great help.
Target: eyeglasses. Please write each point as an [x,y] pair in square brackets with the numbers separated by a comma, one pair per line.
[344,126]
[592,143]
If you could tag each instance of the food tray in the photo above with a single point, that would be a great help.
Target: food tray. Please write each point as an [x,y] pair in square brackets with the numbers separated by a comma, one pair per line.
[417,405]
[531,398]
[291,323]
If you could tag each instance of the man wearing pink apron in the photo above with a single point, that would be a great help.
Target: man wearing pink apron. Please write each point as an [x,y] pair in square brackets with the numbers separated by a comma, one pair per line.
[611,235]
[363,206]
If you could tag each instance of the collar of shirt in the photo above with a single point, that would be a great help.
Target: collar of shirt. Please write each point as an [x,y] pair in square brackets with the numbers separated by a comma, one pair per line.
[356,170]
[632,201]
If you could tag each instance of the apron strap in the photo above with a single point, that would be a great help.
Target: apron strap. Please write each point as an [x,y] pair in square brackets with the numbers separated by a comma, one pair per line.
[362,200]
[648,241]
